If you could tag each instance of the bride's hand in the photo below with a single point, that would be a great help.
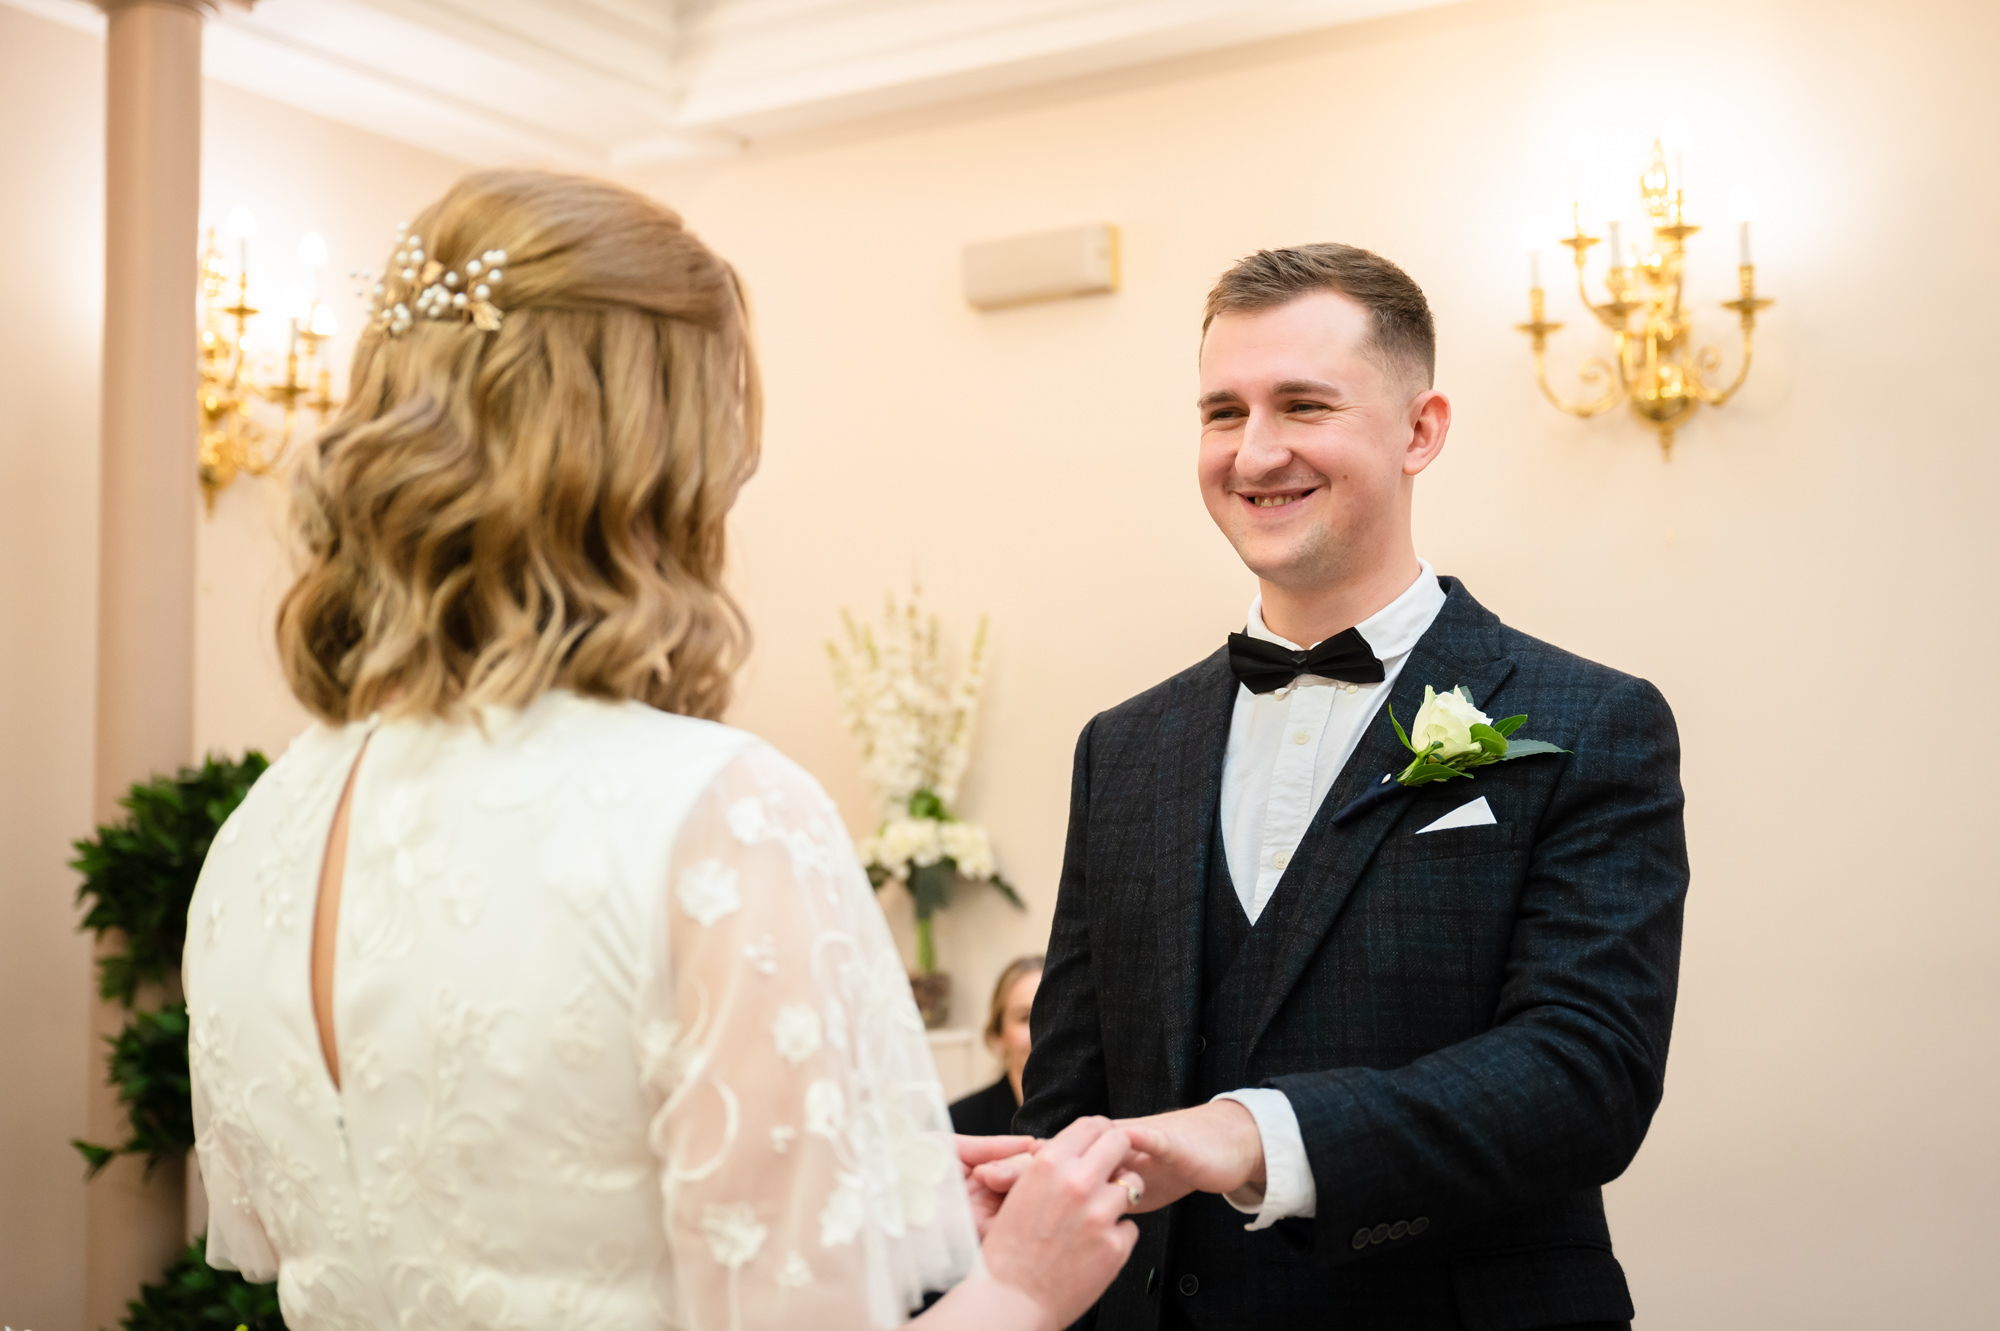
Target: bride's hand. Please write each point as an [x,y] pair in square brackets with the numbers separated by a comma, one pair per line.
[974,1152]
[1061,1234]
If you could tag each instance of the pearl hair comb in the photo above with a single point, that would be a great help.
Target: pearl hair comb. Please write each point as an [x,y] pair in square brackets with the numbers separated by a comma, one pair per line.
[420,287]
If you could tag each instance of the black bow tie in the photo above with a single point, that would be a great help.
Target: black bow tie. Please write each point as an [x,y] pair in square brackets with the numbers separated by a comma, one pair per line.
[1265,666]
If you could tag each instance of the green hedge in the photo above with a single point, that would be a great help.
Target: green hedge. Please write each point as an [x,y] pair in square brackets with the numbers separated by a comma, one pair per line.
[138,879]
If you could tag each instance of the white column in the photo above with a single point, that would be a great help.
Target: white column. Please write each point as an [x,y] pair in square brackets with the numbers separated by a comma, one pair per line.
[146,577]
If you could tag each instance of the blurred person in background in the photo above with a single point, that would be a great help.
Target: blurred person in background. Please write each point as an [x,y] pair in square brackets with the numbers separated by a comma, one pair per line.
[990,1113]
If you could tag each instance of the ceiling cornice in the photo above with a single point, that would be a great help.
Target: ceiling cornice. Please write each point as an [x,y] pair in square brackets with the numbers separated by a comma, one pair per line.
[603,84]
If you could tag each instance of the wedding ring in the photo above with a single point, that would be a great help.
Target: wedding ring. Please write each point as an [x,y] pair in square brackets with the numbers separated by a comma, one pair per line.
[1132,1195]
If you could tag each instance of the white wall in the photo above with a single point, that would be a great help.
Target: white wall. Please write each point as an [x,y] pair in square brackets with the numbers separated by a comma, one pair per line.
[51,320]
[297,172]
[1808,579]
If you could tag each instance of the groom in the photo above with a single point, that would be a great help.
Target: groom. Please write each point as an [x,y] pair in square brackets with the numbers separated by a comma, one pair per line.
[1406,1033]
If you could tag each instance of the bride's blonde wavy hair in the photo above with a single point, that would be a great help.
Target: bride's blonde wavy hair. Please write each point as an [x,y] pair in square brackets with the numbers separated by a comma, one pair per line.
[495,514]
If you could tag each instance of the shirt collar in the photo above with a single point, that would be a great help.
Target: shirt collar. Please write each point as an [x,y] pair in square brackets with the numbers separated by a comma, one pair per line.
[1391,631]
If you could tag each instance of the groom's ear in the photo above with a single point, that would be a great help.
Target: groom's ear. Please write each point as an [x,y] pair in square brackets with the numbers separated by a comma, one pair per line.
[1430,422]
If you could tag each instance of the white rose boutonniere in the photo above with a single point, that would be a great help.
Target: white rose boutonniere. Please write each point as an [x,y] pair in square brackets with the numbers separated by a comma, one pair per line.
[1449,736]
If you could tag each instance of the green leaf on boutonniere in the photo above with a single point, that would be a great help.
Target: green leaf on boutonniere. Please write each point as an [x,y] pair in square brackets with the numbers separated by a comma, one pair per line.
[1510,724]
[1399,729]
[1422,772]
[1527,748]
[1491,740]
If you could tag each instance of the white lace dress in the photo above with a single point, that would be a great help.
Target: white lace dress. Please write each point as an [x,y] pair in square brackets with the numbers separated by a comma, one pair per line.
[624,1040]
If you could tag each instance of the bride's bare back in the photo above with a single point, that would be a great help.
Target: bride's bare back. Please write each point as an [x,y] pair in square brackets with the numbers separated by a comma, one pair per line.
[326,924]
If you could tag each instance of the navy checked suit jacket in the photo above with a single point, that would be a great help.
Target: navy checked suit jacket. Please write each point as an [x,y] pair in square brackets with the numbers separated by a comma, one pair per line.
[1470,1024]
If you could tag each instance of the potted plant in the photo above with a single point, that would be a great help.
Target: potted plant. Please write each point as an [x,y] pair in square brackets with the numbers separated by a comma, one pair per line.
[138,877]
[912,717]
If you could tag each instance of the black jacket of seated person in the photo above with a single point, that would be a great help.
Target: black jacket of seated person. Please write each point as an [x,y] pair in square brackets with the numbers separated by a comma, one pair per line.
[987,1113]
[1470,1024]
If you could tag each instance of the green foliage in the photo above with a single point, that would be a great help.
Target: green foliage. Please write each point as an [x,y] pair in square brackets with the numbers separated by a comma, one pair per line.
[149,1066]
[138,878]
[139,874]
[926,804]
[930,886]
[194,1296]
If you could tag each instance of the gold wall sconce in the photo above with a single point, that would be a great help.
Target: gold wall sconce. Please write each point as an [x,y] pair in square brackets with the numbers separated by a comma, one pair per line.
[233,441]
[1653,363]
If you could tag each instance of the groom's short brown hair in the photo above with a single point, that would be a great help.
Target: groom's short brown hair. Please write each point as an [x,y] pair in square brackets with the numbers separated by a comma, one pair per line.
[1405,337]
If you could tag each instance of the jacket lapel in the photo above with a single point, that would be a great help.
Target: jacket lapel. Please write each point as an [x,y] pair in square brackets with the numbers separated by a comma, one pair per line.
[1194,734]
[1461,647]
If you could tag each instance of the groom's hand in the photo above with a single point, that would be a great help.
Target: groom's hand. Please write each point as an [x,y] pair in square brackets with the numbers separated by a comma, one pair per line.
[975,1152]
[1211,1148]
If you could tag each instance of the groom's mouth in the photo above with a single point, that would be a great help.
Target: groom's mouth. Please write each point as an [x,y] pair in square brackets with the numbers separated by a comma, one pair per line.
[1280,499]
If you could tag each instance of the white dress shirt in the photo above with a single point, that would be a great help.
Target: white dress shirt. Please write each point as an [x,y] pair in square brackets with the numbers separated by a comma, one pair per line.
[1286,748]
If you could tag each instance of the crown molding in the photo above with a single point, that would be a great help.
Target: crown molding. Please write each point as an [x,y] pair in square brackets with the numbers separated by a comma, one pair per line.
[608,84]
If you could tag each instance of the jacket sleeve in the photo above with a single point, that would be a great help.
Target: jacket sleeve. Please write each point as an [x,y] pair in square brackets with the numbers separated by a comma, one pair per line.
[1558,1094]
[1064,1079]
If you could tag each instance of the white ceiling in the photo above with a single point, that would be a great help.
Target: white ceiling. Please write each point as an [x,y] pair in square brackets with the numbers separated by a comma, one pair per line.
[612,83]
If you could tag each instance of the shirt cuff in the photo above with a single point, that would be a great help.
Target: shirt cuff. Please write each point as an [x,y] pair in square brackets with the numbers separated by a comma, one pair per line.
[1288,1189]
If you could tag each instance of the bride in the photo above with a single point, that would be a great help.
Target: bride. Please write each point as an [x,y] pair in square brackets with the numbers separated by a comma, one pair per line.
[525,994]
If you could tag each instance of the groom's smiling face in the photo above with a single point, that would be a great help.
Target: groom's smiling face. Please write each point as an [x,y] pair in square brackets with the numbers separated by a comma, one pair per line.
[1306,438]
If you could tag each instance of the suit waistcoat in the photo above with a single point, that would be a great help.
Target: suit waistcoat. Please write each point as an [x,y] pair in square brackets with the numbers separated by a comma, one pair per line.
[1236,964]
[1227,986]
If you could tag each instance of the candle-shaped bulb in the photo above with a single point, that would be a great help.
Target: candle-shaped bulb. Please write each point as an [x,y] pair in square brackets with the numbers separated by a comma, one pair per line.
[322,321]
[1674,138]
[1617,250]
[242,224]
[1743,208]
[312,254]
[1531,241]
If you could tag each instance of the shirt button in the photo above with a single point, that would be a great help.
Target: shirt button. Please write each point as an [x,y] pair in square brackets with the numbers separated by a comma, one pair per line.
[1279,859]
[1301,737]
[1354,688]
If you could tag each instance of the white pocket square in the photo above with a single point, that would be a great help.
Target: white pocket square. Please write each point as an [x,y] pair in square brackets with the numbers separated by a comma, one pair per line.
[1476,814]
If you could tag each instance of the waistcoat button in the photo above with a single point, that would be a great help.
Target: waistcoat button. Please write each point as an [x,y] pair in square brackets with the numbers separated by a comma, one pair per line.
[1360,1239]
[1189,1285]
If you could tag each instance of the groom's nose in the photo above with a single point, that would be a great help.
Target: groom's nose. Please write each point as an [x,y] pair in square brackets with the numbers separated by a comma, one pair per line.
[1263,449]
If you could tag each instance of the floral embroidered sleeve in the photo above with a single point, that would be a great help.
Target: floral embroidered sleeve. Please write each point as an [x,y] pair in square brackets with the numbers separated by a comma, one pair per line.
[236,1238]
[808,1172]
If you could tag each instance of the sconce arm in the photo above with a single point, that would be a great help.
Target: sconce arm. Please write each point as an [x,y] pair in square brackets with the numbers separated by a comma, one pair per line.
[1594,369]
[1710,360]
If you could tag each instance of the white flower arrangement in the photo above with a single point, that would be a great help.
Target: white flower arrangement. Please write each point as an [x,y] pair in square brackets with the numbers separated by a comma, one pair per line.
[913,721]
